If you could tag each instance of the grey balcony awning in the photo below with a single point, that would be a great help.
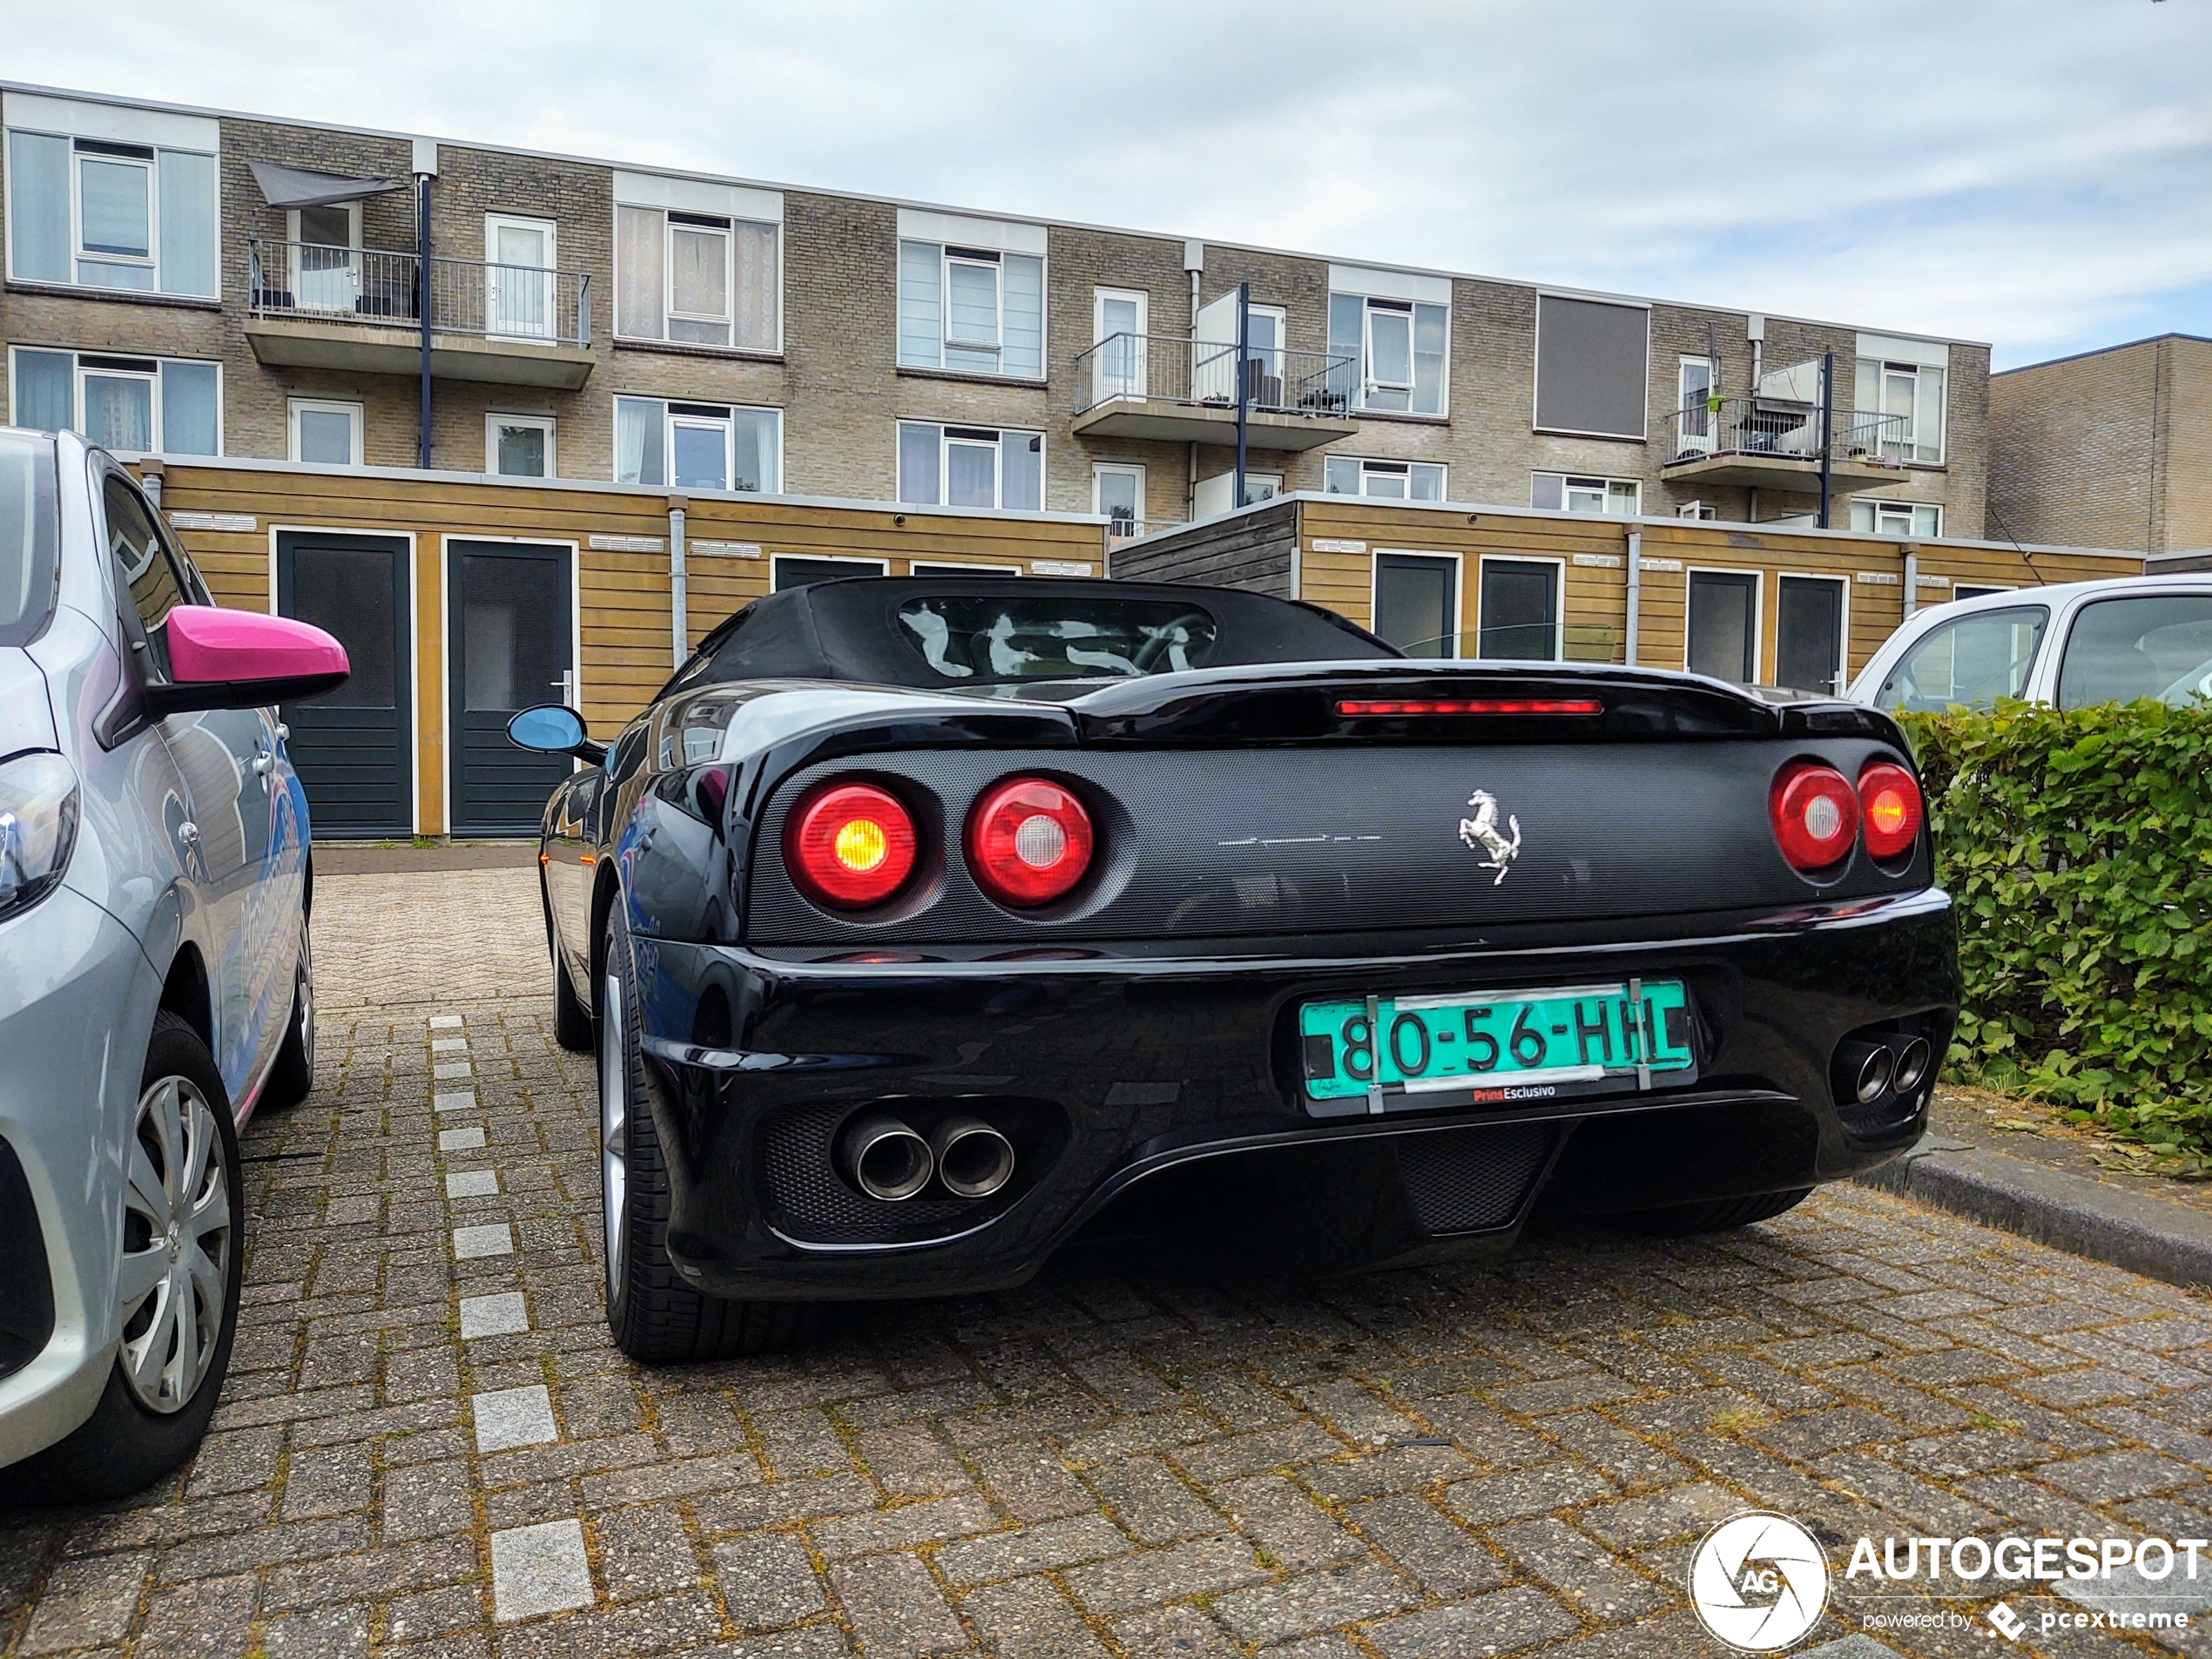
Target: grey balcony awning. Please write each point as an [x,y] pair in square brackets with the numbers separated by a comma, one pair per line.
[298,187]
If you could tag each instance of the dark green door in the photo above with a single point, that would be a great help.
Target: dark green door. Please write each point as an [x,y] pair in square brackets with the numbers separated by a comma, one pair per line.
[353,747]
[509,610]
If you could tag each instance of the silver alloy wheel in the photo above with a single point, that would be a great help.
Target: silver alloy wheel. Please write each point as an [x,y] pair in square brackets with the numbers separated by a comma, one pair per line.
[177,1242]
[614,1122]
[304,995]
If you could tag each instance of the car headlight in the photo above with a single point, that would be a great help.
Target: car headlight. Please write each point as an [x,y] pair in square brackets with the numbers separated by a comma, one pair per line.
[37,827]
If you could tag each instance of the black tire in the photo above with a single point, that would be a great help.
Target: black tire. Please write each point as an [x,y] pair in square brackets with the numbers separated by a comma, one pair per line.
[1715,1216]
[125,1445]
[292,1078]
[571,1016]
[654,1317]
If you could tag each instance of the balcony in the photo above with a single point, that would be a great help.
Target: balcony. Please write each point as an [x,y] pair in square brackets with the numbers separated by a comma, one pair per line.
[1774,444]
[1172,390]
[361,309]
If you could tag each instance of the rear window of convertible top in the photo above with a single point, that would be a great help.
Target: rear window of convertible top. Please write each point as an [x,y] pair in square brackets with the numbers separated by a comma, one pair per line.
[980,639]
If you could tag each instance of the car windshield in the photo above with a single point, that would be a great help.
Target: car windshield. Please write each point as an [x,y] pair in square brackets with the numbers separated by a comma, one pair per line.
[2155,645]
[1969,661]
[27,535]
[983,639]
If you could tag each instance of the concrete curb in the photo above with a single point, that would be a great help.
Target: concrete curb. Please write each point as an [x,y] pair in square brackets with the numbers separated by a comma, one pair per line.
[2144,1235]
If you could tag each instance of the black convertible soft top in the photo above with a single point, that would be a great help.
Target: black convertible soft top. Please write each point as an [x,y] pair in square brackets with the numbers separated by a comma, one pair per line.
[952,632]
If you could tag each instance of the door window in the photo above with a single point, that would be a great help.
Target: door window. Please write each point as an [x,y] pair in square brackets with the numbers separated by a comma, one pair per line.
[2118,650]
[346,592]
[1416,603]
[1119,495]
[1809,634]
[1119,326]
[1724,624]
[1972,662]
[1519,616]
[512,650]
[519,288]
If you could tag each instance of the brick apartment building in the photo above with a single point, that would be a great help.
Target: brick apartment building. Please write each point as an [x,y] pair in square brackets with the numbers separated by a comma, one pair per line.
[199,283]
[2107,449]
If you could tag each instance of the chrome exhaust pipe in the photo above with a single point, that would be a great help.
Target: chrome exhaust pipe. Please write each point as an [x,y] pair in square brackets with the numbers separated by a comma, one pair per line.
[1869,1067]
[1912,1063]
[973,1160]
[885,1158]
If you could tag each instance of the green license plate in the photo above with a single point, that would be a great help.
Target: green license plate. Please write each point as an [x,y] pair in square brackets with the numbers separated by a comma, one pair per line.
[1377,1053]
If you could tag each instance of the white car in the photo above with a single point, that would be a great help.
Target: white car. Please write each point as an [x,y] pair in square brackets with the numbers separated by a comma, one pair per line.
[2071,644]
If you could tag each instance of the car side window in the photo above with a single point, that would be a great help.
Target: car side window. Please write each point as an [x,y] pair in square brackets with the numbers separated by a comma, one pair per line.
[150,568]
[2118,650]
[1972,660]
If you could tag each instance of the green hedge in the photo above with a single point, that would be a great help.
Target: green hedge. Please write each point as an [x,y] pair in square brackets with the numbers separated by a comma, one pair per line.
[2078,846]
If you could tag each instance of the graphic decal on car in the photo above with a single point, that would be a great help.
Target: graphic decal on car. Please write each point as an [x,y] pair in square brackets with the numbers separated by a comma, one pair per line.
[1480,833]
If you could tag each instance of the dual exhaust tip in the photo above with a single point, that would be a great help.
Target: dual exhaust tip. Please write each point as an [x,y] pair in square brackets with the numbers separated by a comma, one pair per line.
[1879,1068]
[891,1161]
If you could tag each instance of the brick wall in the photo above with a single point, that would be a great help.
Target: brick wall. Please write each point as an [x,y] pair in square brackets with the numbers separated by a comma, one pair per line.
[2073,445]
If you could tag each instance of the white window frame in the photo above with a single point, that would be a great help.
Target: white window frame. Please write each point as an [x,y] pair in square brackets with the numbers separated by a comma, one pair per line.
[983,248]
[151,259]
[699,223]
[1758,612]
[1369,382]
[1842,621]
[1558,595]
[983,259]
[353,212]
[1364,370]
[1100,470]
[1458,562]
[1702,510]
[1684,363]
[293,407]
[998,462]
[189,146]
[551,327]
[1389,463]
[1568,479]
[152,378]
[493,421]
[76,387]
[1908,534]
[1099,334]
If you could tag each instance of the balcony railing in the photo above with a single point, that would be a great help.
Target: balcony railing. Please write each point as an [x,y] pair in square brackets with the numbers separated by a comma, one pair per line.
[1783,431]
[307,282]
[1172,368]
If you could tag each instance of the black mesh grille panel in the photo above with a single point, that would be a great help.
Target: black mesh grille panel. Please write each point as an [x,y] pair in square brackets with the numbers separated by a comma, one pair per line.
[1469,1180]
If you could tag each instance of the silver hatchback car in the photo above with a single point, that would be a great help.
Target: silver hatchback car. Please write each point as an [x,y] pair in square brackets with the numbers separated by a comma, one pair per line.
[155,982]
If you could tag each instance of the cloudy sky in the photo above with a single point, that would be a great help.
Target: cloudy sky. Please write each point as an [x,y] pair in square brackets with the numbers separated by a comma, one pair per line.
[2037,173]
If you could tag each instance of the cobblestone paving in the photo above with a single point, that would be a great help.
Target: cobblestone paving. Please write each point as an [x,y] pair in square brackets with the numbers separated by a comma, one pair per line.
[428,1448]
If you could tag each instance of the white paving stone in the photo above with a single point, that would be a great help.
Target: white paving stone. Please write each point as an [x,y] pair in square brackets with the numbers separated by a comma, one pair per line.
[510,1417]
[539,1569]
[460,1068]
[455,1101]
[460,1140]
[503,1315]
[472,1184]
[448,1045]
[444,1021]
[496,1238]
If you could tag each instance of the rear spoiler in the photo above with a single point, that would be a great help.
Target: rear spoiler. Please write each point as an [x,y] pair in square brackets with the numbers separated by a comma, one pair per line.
[1405,702]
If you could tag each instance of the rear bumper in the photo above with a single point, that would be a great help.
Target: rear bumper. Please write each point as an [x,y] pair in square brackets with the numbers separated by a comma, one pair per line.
[1173,1076]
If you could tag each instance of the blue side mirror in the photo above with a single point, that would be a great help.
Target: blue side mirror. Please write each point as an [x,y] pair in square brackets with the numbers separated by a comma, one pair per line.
[550,727]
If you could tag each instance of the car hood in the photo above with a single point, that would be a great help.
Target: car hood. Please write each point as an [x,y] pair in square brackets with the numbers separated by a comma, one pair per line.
[26,711]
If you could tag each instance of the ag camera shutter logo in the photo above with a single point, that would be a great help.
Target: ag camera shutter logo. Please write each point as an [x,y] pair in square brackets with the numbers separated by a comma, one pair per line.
[1759,1581]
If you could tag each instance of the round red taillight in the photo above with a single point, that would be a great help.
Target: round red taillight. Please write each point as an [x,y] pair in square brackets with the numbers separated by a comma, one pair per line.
[1816,817]
[1029,842]
[1889,800]
[850,845]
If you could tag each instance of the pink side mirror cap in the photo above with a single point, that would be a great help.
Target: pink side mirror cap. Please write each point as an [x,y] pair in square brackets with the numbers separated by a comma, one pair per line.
[241,659]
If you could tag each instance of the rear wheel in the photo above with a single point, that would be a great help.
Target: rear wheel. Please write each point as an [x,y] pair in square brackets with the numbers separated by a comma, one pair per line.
[571,1020]
[655,1317]
[1715,1216]
[176,1283]
[293,1076]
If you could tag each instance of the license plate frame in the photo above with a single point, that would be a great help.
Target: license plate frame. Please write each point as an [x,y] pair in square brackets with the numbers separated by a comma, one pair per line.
[1643,1036]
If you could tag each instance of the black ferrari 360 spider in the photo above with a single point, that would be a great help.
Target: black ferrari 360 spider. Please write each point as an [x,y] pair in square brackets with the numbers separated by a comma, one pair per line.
[920,923]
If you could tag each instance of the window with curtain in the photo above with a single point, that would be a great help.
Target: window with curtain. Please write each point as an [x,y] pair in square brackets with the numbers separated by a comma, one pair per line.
[1397,350]
[97,214]
[977,310]
[696,279]
[1387,480]
[698,446]
[954,466]
[142,404]
[1556,492]
[1913,393]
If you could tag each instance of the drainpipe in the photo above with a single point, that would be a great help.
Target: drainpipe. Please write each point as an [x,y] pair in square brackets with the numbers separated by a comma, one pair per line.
[426,169]
[149,481]
[1194,261]
[1244,380]
[1912,579]
[679,604]
[1635,592]
[1827,432]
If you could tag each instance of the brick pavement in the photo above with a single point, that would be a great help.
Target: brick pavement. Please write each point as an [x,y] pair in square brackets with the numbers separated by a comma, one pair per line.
[428,1448]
